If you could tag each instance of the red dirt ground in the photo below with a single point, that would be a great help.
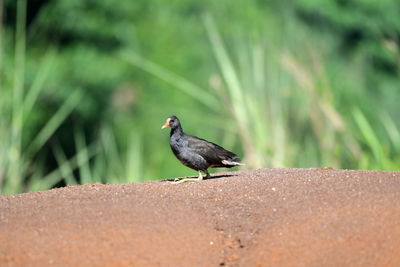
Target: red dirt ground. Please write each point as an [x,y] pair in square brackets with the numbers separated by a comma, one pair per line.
[266,217]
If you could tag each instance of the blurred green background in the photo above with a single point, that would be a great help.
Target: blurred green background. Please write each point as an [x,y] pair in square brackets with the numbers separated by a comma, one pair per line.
[86,86]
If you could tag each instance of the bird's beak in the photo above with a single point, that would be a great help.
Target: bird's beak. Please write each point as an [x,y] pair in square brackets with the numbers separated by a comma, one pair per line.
[166,124]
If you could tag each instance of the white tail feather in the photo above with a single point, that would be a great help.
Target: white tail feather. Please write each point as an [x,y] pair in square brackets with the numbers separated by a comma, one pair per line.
[231,163]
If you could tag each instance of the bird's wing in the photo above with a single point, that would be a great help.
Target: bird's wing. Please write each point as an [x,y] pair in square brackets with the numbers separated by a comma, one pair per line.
[212,153]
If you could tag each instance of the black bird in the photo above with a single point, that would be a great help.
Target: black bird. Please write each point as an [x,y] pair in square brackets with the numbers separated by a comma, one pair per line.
[197,153]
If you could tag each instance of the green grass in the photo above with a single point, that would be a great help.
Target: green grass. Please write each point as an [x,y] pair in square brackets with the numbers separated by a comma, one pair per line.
[283,109]
[276,98]
[20,171]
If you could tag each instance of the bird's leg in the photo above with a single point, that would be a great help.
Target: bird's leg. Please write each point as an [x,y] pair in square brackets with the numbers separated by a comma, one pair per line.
[207,173]
[189,179]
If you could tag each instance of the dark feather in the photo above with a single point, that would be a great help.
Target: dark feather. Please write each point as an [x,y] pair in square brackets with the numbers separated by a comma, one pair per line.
[211,152]
[197,153]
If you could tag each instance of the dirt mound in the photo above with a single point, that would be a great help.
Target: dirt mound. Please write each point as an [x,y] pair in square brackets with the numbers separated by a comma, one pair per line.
[264,217]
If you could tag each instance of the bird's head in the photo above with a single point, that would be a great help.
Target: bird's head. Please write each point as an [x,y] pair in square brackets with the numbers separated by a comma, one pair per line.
[172,122]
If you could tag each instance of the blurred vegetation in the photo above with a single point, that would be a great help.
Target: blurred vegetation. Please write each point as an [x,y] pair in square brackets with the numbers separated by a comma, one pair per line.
[86,86]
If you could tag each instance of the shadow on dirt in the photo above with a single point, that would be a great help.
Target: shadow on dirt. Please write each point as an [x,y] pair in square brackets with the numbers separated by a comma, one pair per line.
[221,176]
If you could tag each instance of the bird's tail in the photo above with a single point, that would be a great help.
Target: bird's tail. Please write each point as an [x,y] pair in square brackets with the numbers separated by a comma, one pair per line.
[231,163]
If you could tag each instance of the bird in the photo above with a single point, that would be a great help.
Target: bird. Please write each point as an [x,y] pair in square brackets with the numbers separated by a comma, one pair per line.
[197,153]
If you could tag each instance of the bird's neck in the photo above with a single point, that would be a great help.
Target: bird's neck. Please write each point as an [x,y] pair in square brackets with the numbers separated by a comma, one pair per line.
[177,131]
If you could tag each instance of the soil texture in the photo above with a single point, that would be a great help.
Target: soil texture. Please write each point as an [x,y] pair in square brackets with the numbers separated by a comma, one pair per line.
[265,217]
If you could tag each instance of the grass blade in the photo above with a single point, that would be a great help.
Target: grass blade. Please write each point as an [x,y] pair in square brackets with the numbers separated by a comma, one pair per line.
[64,165]
[134,159]
[392,130]
[111,155]
[15,168]
[38,83]
[179,82]
[83,158]
[55,121]
[56,175]
[369,135]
